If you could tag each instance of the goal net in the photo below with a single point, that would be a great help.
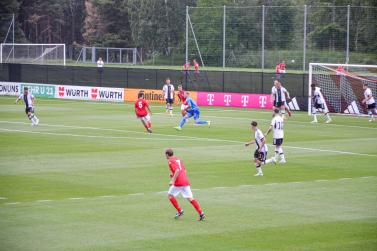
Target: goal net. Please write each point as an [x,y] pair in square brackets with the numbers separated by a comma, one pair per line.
[342,86]
[32,53]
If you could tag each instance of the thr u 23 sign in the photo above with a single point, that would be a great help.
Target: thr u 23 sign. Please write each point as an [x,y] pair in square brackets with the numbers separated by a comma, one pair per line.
[245,100]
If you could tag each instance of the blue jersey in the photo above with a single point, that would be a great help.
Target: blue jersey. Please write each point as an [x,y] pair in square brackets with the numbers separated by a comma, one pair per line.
[192,104]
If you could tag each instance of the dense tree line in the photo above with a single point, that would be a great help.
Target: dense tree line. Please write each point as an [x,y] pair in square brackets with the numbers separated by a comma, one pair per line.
[159,25]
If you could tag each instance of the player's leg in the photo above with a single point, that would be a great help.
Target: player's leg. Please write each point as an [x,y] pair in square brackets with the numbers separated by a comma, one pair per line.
[198,121]
[184,120]
[258,163]
[281,152]
[183,110]
[147,123]
[30,115]
[172,193]
[171,107]
[167,106]
[314,113]
[187,194]
[282,110]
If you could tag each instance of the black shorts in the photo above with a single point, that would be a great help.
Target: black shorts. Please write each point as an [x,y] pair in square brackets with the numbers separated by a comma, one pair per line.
[277,142]
[319,106]
[29,109]
[261,156]
[371,106]
[169,101]
[279,104]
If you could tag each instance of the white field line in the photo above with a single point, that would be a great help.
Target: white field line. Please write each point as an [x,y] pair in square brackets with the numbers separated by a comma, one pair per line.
[196,189]
[3,198]
[176,138]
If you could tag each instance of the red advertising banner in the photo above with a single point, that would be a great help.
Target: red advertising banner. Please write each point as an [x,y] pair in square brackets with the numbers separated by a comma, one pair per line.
[244,100]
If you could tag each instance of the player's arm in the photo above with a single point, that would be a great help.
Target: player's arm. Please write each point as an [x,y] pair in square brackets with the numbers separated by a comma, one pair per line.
[174,177]
[272,98]
[33,100]
[269,130]
[263,140]
[188,108]
[287,94]
[367,98]
[18,99]
[149,109]
[250,143]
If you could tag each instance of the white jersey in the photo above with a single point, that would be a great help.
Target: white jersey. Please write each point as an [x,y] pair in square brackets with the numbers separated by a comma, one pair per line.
[367,94]
[258,140]
[277,124]
[317,96]
[168,91]
[100,63]
[28,99]
[279,94]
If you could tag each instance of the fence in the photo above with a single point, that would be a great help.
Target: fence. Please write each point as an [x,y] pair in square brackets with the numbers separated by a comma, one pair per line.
[262,36]
[212,81]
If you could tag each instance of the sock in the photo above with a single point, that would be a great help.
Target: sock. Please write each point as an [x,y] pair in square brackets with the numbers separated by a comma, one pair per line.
[276,154]
[201,122]
[281,153]
[149,124]
[268,161]
[196,206]
[259,168]
[370,114]
[327,116]
[171,110]
[315,117]
[183,121]
[174,202]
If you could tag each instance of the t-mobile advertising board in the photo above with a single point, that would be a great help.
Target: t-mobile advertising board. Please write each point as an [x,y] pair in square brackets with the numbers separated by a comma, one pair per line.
[245,100]
[90,93]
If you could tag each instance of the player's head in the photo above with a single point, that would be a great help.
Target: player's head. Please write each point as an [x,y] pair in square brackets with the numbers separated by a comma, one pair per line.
[187,94]
[312,86]
[194,61]
[167,81]
[100,58]
[365,86]
[283,61]
[277,83]
[26,90]
[276,112]
[169,153]
[254,125]
[180,88]
[140,94]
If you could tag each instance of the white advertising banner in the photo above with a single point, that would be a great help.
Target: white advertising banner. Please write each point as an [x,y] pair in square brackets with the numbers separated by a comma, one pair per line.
[90,93]
[10,88]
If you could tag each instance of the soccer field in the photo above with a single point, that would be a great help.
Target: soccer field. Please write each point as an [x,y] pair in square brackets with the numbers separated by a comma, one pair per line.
[90,178]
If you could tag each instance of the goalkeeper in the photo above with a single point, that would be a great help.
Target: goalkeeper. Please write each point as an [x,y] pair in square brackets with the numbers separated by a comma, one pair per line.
[318,104]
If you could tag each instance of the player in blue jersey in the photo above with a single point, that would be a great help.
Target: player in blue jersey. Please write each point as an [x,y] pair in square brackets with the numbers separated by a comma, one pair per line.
[192,111]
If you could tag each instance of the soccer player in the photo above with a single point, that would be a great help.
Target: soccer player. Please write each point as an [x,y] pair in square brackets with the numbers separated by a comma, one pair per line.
[143,111]
[370,102]
[279,96]
[168,91]
[260,153]
[277,124]
[29,101]
[192,111]
[318,104]
[196,66]
[179,184]
[182,99]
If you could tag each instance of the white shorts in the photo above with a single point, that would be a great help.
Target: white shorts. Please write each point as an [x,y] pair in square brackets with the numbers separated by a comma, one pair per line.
[185,191]
[183,107]
[145,118]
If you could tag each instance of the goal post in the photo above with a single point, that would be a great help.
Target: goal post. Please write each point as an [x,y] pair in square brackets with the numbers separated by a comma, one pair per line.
[33,53]
[342,86]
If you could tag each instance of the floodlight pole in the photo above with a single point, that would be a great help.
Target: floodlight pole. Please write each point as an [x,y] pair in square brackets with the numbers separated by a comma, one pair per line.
[13,22]
[304,43]
[187,20]
[263,9]
[348,34]
[224,25]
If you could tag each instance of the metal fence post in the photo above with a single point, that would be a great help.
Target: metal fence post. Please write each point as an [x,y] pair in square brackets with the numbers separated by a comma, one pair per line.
[224,24]
[348,33]
[304,42]
[187,13]
[263,37]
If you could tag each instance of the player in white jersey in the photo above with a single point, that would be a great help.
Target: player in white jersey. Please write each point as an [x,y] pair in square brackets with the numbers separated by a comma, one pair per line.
[279,96]
[260,153]
[277,124]
[29,101]
[168,91]
[370,102]
[318,104]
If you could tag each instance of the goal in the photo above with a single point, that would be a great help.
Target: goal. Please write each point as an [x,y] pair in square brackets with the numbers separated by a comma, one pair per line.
[32,53]
[342,86]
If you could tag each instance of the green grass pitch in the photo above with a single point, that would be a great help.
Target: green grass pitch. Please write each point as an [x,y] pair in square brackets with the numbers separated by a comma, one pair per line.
[89,178]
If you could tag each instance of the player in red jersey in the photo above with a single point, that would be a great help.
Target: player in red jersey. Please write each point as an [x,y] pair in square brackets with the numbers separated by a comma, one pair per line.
[182,98]
[143,112]
[179,184]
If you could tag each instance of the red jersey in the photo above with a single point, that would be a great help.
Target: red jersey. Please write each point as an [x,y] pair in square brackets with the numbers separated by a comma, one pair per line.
[282,66]
[196,67]
[141,106]
[176,164]
[277,68]
[181,96]
[186,67]
[340,69]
